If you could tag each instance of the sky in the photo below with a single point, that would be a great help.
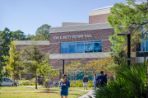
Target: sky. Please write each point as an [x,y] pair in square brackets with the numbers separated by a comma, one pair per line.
[28,15]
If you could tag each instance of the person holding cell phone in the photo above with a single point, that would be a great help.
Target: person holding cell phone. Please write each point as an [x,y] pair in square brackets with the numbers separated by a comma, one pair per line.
[64,86]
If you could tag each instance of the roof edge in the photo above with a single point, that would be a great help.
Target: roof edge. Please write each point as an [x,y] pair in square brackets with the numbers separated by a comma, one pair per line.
[80,27]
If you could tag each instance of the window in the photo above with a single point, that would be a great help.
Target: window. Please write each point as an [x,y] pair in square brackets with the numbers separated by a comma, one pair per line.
[144,45]
[97,47]
[64,48]
[7,80]
[89,47]
[81,47]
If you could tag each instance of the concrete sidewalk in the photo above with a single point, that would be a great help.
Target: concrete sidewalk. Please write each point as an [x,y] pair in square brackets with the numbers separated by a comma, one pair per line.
[90,94]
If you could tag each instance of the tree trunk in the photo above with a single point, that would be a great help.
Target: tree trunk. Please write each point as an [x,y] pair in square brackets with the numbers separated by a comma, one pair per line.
[20,76]
[36,81]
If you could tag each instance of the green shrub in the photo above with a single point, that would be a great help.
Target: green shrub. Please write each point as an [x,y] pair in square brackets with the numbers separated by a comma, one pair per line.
[79,83]
[129,83]
[90,84]
[76,83]
[26,82]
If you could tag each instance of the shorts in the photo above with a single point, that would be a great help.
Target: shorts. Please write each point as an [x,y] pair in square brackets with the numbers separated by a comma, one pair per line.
[64,93]
[85,84]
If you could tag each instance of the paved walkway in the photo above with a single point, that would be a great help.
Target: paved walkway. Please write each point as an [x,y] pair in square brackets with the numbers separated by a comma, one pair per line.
[90,94]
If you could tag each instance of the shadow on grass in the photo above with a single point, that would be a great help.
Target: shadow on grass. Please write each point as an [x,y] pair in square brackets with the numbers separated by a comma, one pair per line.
[75,94]
[56,91]
[49,91]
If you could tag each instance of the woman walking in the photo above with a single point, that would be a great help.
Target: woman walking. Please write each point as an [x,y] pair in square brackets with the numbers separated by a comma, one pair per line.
[64,84]
[94,80]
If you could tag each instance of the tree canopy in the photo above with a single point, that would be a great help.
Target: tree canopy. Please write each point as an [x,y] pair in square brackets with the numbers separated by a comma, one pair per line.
[14,65]
[132,18]
[42,33]
[6,36]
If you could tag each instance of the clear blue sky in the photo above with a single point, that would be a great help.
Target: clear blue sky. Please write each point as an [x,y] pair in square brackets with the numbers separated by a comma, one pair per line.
[28,15]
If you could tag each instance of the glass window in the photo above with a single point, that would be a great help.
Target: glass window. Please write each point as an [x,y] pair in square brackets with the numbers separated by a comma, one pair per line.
[64,48]
[7,80]
[81,47]
[144,45]
[97,47]
[89,47]
[72,47]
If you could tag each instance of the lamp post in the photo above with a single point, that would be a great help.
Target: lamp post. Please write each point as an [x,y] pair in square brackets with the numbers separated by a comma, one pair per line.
[128,47]
[63,66]
[62,70]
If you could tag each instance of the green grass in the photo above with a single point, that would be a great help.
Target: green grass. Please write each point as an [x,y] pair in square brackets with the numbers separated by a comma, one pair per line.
[30,92]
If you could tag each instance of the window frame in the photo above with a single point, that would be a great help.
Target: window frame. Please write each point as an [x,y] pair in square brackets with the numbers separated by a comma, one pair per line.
[84,42]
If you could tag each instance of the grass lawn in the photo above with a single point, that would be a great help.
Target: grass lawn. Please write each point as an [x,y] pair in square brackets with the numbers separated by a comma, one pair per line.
[30,92]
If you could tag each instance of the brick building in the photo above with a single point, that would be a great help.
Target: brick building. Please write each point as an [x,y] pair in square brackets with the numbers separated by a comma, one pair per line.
[81,41]
[99,15]
[43,46]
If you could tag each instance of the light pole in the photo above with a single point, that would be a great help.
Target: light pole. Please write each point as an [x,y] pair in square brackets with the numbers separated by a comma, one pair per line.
[62,69]
[128,47]
[63,66]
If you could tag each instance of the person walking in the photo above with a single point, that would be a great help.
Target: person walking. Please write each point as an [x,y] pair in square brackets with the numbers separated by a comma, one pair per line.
[85,82]
[105,79]
[94,80]
[101,80]
[64,86]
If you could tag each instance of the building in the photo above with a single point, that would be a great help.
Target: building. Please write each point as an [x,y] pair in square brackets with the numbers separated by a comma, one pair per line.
[43,46]
[81,41]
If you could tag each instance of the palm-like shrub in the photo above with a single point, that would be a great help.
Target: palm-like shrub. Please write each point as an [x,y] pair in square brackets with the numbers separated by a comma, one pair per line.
[129,83]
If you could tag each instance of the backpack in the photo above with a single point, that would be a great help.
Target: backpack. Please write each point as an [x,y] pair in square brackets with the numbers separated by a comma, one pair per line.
[85,79]
[100,80]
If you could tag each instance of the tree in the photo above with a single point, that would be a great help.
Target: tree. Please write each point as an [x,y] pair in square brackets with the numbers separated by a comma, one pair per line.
[46,71]
[33,60]
[14,65]
[30,37]
[131,17]
[1,67]
[76,66]
[130,82]
[18,35]
[6,36]
[42,32]
[5,39]
[105,64]
[73,66]
[36,62]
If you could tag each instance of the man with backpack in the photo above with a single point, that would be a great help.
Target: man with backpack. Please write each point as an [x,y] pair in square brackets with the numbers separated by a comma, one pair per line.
[101,80]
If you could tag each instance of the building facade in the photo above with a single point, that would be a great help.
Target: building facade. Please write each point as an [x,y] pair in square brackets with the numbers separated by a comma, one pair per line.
[43,46]
[81,41]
